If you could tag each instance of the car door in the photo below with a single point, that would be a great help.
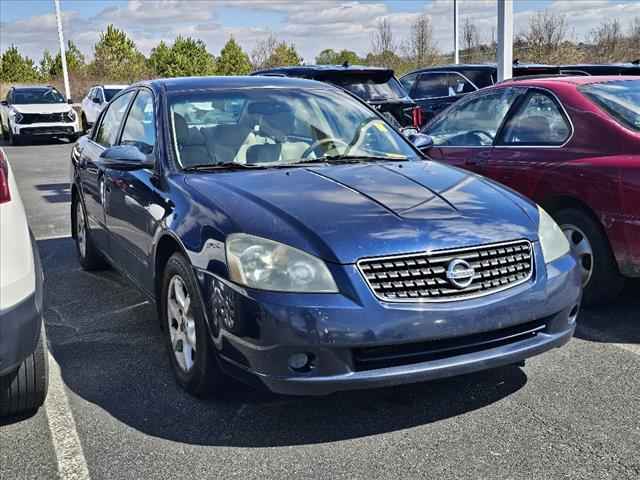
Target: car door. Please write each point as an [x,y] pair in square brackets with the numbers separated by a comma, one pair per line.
[435,91]
[136,203]
[532,139]
[464,136]
[93,182]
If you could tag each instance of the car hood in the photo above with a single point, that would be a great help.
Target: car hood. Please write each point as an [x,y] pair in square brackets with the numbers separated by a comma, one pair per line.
[42,108]
[347,212]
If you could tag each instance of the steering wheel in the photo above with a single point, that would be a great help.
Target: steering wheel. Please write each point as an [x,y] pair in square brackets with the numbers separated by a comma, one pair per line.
[322,141]
[479,133]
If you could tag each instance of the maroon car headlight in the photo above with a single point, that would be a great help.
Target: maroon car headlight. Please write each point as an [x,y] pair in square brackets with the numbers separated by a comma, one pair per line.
[263,264]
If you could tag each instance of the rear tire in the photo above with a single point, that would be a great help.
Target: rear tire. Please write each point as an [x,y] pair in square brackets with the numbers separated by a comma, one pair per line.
[88,255]
[200,374]
[603,282]
[25,389]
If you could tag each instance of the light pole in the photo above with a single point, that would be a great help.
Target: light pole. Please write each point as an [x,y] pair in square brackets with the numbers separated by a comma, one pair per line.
[505,39]
[63,55]
[456,55]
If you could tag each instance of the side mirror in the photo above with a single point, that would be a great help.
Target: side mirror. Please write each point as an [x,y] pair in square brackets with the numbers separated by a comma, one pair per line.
[125,157]
[4,103]
[421,141]
[96,100]
[70,101]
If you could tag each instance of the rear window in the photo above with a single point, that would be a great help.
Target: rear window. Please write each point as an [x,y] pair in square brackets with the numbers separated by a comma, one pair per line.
[110,92]
[371,88]
[620,99]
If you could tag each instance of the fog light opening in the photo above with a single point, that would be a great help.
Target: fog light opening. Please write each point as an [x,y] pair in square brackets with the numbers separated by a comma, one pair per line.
[301,362]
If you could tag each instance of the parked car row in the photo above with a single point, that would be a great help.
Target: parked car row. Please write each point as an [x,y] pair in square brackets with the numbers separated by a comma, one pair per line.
[293,238]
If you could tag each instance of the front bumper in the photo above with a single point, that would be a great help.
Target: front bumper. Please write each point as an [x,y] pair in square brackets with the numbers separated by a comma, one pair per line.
[20,325]
[256,332]
[46,129]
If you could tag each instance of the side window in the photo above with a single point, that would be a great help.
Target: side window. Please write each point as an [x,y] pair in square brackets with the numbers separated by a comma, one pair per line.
[108,132]
[539,121]
[140,128]
[442,84]
[10,97]
[99,94]
[480,78]
[408,80]
[90,94]
[473,122]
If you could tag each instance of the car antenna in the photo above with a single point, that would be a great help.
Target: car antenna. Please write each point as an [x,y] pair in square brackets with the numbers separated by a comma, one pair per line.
[516,61]
[345,64]
[636,62]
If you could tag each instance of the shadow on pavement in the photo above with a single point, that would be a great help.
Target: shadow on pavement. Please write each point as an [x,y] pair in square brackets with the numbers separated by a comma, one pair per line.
[36,141]
[615,323]
[105,336]
[55,192]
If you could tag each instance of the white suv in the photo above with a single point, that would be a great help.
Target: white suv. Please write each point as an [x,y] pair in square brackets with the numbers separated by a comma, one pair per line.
[95,100]
[23,351]
[37,111]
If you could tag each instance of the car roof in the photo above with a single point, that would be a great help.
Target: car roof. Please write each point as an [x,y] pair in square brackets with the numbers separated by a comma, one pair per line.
[215,82]
[112,86]
[299,69]
[34,87]
[575,80]
[479,66]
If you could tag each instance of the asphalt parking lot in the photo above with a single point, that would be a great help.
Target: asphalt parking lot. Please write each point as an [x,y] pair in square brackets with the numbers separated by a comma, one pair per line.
[114,410]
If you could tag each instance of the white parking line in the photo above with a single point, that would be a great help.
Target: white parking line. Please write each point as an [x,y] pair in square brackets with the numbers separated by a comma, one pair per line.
[71,462]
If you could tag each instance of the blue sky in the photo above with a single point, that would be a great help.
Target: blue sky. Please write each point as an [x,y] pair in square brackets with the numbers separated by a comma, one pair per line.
[312,24]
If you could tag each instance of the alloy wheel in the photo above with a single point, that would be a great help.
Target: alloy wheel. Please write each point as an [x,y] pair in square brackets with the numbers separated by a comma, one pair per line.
[181,322]
[582,249]
[81,230]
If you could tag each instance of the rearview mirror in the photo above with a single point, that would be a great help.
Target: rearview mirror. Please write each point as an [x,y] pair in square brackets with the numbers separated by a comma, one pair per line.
[125,157]
[421,141]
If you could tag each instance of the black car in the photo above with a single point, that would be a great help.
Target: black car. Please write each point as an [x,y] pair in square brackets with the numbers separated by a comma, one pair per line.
[435,88]
[632,68]
[376,86]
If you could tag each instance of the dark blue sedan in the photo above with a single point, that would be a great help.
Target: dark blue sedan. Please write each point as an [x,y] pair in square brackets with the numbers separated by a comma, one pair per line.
[292,238]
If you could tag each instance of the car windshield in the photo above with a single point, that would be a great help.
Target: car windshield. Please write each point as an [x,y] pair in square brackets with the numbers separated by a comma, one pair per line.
[368,88]
[278,126]
[620,99]
[26,96]
[110,92]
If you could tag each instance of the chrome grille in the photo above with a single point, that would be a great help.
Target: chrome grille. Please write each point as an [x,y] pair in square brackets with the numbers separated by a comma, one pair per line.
[422,277]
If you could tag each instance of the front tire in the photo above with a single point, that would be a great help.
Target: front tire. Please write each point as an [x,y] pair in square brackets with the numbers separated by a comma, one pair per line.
[14,139]
[88,255]
[25,389]
[600,277]
[191,353]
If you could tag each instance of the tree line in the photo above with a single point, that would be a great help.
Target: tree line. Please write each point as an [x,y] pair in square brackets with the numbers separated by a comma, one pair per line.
[116,58]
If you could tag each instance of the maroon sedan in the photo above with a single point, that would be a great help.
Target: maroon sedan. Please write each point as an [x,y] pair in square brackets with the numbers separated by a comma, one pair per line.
[572,144]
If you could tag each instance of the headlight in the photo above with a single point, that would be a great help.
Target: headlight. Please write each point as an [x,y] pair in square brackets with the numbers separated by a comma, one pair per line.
[17,116]
[553,242]
[267,265]
[71,116]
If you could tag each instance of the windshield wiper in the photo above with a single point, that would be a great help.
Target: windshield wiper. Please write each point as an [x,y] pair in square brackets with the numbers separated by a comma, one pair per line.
[355,159]
[220,166]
